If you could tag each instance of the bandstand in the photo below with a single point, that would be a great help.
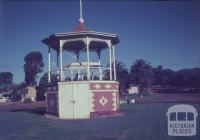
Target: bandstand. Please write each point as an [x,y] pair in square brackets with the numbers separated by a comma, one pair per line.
[81,91]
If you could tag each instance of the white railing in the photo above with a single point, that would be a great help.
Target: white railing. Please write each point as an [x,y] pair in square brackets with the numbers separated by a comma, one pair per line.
[78,71]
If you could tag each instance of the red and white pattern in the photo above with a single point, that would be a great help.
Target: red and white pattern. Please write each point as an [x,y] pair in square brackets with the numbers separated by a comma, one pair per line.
[52,103]
[103,86]
[52,88]
[104,96]
[103,101]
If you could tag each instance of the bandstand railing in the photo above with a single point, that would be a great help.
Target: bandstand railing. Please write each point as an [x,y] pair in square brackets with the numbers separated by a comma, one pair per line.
[78,71]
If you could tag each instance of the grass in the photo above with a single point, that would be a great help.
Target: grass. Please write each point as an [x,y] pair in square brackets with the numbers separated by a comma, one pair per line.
[142,122]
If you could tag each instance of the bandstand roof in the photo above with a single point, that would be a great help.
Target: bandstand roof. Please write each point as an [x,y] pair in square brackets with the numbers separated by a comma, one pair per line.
[74,40]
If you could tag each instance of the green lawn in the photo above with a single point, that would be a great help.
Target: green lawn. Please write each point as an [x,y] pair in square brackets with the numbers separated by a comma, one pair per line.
[142,122]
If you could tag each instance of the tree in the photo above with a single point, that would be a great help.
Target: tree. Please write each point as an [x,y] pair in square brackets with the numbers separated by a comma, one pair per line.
[122,76]
[43,84]
[164,77]
[158,75]
[17,91]
[6,80]
[141,74]
[188,78]
[33,65]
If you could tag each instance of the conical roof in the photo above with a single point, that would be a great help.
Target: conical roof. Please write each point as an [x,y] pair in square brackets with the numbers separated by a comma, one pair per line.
[81,27]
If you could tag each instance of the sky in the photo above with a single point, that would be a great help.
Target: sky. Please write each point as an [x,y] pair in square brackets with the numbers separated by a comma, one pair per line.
[164,33]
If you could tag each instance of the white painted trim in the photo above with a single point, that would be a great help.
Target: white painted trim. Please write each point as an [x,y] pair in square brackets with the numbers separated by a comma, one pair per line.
[100,69]
[110,56]
[114,65]
[61,61]
[49,65]
[88,58]
[83,82]
[86,32]
[84,39]
[57,59]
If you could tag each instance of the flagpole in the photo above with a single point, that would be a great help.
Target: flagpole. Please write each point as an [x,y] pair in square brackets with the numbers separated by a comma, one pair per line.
[81,20]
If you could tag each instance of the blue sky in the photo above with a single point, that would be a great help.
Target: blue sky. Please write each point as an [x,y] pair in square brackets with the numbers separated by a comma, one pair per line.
[163,33]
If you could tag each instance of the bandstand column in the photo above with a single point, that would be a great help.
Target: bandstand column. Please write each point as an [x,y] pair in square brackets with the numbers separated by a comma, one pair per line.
[100,68]
[88,58]
[110,56]
[57,59]
[61,62]
[114,65]
[49,65]
[71,74]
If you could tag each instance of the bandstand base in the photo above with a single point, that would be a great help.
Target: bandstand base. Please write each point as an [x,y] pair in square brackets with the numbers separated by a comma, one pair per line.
[82,99]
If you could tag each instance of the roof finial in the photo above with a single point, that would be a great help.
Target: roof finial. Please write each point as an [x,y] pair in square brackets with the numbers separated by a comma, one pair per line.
[81,20]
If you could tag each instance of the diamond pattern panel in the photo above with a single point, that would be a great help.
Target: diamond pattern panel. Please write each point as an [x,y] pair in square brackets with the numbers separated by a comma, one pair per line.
[52,103]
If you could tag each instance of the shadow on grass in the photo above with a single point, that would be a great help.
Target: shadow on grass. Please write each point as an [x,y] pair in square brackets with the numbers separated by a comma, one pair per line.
[38,111]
